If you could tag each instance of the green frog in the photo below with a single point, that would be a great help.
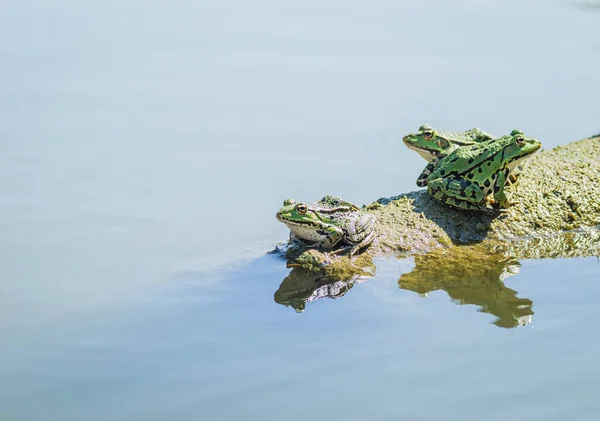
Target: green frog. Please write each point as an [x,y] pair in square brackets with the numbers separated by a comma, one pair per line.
[434,145]
[469,174]
[328,222]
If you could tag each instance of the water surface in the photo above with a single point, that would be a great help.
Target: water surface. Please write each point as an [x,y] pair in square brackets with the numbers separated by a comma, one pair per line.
[146,147]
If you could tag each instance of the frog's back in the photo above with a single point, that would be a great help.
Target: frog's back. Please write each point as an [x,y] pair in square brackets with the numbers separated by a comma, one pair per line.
[464,158]
[329,202]
[468,137]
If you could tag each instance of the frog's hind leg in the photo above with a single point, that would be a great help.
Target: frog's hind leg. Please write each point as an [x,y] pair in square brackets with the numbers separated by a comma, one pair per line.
[355,247]
[360,234]
[458,193]
[451,201]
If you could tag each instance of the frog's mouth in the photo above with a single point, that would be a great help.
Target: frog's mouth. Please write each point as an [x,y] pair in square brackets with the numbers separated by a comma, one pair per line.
[295,222]
[425,154]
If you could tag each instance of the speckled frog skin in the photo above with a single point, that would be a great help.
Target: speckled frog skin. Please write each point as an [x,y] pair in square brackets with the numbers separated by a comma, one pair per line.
[328,222]
[434,145]
[469,174]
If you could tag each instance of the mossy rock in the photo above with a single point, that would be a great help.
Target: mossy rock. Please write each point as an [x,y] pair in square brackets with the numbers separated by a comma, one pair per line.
[558,192]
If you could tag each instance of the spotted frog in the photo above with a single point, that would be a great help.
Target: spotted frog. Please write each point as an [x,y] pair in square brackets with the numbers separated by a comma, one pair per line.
[469,174]
[434,145]
[328,222]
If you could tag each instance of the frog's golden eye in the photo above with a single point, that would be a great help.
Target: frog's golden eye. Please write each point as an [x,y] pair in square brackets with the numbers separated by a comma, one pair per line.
[301,208]
[520,140]
[428,134]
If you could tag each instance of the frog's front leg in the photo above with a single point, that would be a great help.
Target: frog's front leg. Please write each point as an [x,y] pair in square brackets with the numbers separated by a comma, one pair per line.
[298,241]
[332,235]
[460,193]
[422,180]
[500,197]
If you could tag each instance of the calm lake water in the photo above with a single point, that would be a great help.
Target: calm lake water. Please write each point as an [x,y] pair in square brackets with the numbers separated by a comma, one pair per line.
[146,147]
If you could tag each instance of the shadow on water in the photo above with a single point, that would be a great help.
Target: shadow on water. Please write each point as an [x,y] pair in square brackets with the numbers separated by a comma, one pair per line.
[472,275]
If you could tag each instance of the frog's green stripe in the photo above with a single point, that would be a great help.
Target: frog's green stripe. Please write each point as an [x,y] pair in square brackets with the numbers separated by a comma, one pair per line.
[335,210]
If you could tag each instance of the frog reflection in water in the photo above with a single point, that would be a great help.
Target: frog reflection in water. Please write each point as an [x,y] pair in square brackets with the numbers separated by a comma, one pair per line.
[328,222]
[471,275]
[302,286]
[468,274]
[466,177]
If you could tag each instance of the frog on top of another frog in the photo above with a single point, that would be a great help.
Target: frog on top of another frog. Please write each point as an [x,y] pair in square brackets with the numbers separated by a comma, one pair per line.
[465,177]
[434,145]
[431,143]
[328,222]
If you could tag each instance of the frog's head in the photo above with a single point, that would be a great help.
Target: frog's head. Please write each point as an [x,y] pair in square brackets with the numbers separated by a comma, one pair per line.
[297,213]
[428,143]
[519,147]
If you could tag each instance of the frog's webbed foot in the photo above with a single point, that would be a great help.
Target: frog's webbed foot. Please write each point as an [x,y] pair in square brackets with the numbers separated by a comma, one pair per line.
[352,249]
[502,207]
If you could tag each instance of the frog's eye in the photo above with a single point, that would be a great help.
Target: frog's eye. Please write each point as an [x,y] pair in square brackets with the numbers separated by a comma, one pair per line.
[288,202]
[428,134]
[520,140]
[301,208]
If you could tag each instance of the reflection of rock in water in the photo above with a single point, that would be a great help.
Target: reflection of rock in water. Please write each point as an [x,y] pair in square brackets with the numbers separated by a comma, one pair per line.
[576,243]
[302,286]
[471,275]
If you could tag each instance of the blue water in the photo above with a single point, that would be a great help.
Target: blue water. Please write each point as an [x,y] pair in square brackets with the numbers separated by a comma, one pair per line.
[225,350]
[146,147]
